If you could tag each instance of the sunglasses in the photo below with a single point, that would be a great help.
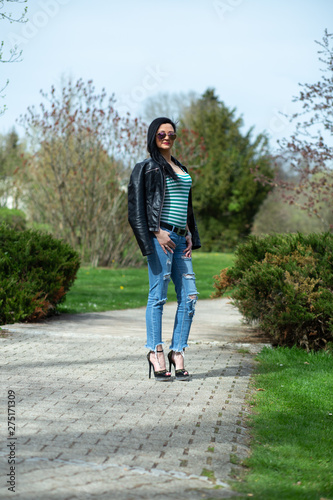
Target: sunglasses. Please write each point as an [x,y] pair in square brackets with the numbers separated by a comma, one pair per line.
[162,135]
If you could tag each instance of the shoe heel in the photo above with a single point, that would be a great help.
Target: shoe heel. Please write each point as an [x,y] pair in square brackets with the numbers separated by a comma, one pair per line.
[170,360]
[149,364]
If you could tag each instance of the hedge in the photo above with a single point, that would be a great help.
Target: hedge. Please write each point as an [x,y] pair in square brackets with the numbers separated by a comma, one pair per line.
[36,271]
[285,282]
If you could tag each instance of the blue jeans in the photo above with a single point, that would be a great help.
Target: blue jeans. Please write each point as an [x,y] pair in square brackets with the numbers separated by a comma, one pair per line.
[162,268]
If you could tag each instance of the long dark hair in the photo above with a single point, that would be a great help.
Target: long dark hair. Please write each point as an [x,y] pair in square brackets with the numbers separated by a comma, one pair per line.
[152,146]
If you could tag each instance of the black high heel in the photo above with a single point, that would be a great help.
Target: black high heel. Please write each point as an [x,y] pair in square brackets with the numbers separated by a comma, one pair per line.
[181,374]
[161,375]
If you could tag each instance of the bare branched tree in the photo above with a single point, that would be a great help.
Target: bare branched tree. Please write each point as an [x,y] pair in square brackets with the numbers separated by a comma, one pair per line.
[76,180]
[309,151]
[172,105]
[14,54]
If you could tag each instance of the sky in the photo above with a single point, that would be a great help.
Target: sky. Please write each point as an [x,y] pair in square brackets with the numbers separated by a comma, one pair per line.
[253,52]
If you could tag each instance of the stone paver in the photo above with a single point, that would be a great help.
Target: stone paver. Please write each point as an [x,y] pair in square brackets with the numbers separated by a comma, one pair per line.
[91,425]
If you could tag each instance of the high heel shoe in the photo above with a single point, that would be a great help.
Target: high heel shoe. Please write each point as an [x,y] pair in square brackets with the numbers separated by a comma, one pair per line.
[181,373]
[161,375]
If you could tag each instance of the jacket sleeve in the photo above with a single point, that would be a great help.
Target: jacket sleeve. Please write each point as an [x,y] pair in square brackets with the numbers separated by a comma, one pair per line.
[192,224]
[137,209]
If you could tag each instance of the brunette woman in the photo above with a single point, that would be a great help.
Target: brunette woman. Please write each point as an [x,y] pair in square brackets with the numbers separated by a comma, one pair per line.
[161,215]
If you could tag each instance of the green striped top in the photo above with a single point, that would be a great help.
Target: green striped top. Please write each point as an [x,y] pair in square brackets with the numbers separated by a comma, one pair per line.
[174,210]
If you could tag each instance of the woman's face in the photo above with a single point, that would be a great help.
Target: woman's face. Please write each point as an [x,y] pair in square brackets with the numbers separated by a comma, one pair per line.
[166,143]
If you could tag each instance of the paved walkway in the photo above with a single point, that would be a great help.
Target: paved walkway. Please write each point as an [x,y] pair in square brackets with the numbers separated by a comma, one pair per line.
[91,425]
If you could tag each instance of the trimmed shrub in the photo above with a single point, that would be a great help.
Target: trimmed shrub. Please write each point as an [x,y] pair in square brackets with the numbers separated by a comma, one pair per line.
[285,282]
[13,217]
[36,271]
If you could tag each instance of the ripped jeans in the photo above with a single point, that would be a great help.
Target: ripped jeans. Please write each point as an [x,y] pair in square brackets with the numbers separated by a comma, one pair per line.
[162,268]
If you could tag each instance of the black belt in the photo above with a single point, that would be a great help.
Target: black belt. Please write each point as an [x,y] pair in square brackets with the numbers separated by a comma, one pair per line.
[177,230]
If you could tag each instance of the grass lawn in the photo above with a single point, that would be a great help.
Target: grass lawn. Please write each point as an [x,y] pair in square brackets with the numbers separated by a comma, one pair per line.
[99,289]
[292,427]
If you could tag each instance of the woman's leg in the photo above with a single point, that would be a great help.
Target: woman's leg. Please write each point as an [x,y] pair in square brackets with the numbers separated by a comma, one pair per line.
[184,279]
[159,272]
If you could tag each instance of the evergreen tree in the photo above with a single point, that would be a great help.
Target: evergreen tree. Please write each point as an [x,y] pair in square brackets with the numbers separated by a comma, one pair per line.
[226,197]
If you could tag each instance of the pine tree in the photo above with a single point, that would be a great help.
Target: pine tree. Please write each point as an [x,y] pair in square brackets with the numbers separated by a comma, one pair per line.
[226,197]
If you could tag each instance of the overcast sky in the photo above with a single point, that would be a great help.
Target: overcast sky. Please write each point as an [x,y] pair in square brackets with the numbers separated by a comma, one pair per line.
[254,52]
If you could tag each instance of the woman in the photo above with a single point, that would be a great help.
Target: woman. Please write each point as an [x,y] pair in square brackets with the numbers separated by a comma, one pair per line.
[161,215]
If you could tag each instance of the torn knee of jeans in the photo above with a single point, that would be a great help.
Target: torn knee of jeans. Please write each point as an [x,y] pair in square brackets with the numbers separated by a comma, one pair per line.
[192,297]
[161,302]
[189,276]
[192,301]
[167,277]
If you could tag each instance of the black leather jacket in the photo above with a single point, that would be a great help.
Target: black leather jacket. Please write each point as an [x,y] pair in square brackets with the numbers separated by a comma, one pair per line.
[146,191]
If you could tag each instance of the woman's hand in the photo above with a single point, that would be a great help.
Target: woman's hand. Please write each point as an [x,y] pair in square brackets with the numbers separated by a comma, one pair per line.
[188,249]
[163,237]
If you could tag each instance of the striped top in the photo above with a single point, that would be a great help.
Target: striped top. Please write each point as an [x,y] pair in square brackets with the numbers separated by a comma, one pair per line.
[174,210]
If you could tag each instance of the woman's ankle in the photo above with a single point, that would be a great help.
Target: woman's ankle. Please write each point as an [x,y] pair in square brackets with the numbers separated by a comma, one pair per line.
[178,358]
[158,359]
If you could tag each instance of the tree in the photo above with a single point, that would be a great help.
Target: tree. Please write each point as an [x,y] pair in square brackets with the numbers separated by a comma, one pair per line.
[276,216]
[189,147]
[76,179]
[309,150]
[11,159]
[165,104]
[226,198]
[14,54]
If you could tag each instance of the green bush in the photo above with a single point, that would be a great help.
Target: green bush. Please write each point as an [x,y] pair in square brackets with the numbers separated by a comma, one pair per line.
[36,271]
[285,282]
[13,217]
[216,238]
